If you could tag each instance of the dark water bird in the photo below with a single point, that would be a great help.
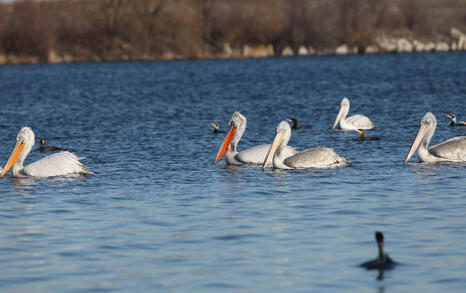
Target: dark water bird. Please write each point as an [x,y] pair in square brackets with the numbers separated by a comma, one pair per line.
[44,148]
[364,138]
[216,128]
[295,126]
[383,261]
[453,121]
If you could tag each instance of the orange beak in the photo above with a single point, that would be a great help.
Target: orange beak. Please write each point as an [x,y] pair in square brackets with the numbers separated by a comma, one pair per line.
[225,143]
[14,155]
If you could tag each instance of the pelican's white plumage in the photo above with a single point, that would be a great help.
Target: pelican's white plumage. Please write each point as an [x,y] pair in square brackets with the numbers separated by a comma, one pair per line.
[354,122]
[58,164]
[311,158]
[452,150]
[253,155]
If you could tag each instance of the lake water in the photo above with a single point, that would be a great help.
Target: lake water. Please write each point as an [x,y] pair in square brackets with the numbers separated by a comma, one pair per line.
[159,215]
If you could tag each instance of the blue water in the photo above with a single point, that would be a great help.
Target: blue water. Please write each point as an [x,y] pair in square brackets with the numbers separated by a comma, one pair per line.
[159,215]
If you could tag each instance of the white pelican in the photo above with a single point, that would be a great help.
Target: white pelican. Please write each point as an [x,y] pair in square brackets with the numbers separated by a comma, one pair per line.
[310,158]
[254,155]
[58,164]
[383,261]
[453,121]
[354,122]
[452,150]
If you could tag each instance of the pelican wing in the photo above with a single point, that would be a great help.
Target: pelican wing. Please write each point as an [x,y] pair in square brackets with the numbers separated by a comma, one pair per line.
[452,149]
[315,158]
[58,164]
[359,121]
[256,155]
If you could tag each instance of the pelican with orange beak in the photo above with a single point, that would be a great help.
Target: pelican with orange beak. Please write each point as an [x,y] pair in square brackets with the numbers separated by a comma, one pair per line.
[254,155]
[58,164]
[354,122]
[452,150]
[311,158]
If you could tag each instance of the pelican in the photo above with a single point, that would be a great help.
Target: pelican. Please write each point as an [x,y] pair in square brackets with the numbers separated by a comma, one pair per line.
[310,158]
[216,128]
[354,122]
[383,261]
[295,124]
[58,164]
[452,150]
[254,155]
[453,121]
[44,148]
[364,138]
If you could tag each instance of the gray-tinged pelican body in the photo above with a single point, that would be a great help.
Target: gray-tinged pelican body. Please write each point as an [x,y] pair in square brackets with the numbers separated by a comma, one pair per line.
[354,122]
[311,158]
[254,155]
[383,261]
[58,164]
[452,150]
[453,121]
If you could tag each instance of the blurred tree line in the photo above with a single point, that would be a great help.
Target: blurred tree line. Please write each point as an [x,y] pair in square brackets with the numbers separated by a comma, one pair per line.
[93,30]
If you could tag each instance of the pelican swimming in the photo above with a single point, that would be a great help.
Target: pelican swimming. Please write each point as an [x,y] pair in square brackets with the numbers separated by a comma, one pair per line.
[452,150]
[254,155]
[310,158]
[383,261]
[364,138]
[58,164]
[216,128]
[453,121]
[295,124]
[354,122]
[44,148]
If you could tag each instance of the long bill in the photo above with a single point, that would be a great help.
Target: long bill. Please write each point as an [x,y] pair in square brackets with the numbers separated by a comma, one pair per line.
[13,156]
[226,141]
[273,148]
[338,118]
[417,140]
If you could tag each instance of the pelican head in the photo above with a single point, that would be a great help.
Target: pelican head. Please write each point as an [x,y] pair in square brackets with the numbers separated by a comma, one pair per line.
[24,142]
[283,135]
[452,117]
[424,135]
[344,109]
[236,128]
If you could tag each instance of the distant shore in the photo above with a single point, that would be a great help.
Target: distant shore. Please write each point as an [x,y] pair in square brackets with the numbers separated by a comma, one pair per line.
[456,41]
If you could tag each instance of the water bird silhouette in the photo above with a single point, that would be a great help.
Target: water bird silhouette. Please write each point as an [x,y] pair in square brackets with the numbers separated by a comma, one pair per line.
[382,261]
[295,126]
[44,148]
[364,138]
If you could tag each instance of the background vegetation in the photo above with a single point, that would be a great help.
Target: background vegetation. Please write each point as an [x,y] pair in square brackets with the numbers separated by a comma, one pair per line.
[94,30]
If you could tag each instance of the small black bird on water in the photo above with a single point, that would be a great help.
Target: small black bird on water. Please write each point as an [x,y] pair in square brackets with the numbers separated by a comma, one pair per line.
[363,138]
[295,124]
[216,128]
[383,261]
[453,121]
[44,148]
